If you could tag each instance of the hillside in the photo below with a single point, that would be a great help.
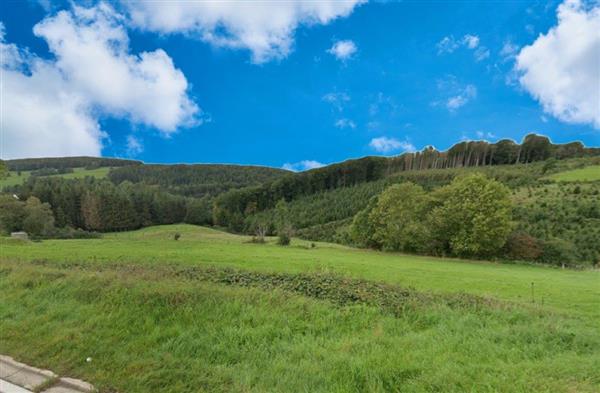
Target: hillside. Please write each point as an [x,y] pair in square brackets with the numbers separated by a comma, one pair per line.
[231,208]
[196,180]
[558,224]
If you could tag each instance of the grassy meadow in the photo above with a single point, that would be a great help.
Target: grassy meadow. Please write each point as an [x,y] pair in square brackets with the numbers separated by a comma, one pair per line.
[128,300]
[14,179]
[589,173]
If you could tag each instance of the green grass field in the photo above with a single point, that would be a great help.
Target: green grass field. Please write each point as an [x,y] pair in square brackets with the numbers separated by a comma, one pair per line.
[590,173]
[121,301]
[14,179]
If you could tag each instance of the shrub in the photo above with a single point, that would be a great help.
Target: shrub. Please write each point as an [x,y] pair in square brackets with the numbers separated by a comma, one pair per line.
[522,246]
[284,238]
[558,252]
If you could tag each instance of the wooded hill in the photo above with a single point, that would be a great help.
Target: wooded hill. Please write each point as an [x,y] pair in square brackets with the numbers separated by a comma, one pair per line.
[233,207]
[30,164]
[561,224]
[196,180]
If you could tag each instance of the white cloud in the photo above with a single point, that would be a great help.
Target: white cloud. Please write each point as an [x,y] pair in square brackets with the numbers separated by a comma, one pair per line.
[386,145]
[471,41]
[337,100]
[91,49]
[345,123]
[304,165]
[509,50]
[343,50]
[457,94]
[561,69]
[449,44]
[266,28]
[485,135]
[134,145]
[481,53]
[52,107]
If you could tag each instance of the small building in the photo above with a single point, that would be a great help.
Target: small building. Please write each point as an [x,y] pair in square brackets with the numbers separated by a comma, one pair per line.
[19,235]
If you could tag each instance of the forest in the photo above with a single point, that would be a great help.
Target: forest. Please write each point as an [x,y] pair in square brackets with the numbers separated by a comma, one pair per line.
[427,202]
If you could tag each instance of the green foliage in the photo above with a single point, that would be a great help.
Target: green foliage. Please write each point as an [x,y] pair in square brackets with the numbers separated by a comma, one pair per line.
[232,206]
[469,217]
[474,218]
[196,180]
[558,251]
[558,211]
[199,211]
[58,163]
[32,216]
[398,218]
[38,220]
[284,228]
[590,173]
[3,170]
[522,246]
[12,214]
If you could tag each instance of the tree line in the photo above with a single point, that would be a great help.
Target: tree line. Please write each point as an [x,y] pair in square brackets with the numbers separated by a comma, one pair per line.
[196,180]
[30,164]
[98,205]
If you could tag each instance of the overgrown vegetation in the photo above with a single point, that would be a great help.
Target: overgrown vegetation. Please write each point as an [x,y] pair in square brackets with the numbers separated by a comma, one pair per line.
[140,305]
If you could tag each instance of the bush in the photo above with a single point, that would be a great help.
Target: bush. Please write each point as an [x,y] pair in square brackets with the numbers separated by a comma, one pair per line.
[522,246]
[176,236]
[284,238]
[558,252]
[73,233]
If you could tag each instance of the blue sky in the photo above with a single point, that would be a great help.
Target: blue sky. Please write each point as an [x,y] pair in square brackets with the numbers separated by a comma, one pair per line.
[330,84]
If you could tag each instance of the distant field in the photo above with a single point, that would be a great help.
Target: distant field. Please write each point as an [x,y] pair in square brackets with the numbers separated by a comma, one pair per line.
[590,173]
[128,302]
[14,179]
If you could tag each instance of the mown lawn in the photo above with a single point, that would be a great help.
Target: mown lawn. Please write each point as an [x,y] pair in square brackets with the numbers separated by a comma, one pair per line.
[122,301]
[590,173]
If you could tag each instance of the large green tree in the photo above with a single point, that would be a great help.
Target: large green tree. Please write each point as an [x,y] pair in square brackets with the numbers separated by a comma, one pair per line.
[473,217]
[398,218]
[39,220]
[12,214]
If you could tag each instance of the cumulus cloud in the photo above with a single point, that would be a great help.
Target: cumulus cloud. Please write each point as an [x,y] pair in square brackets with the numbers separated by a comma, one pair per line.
[304,165]
[343,50]
[52,107]
[386,145]
[265,28]
[345,123]
[91,49]
[561,69]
